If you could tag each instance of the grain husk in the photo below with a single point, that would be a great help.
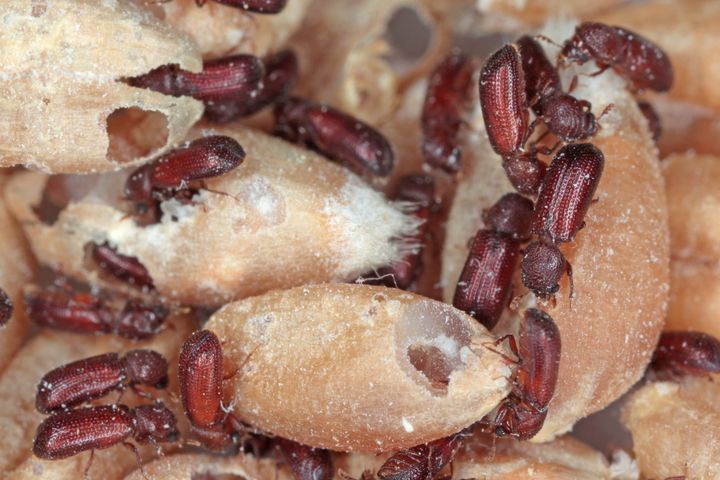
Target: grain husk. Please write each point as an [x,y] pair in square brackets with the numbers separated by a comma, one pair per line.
[620,258]
[63,106]
[330,366]
[284,217]
[676,428]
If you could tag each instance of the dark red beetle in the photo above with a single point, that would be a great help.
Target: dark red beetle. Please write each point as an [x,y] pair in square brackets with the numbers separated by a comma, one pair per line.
[95,377]
[542,80]
[485,281]
[200,370]
[67,433]
[175,171]
[256,6]
[306,463]
[503,101]
[420,190]
[6,308]
[448,90]
[566,192]
[523,412]
[640,61]
[543,265]
[686,353]
[225,80]
[422,462]
[504,105]
[334,134]
[512,215]
[281,74]
[124,268]
[565,196]
[567,117]
[525,172]
[652,118]
[85,313]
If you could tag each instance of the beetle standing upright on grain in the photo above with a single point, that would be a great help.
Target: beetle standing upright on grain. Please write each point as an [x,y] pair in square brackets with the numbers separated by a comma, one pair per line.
[448,89]
[523,412]
[504,107]
[64,434]
[94,377]
[637,59]
[173,173]
[334,134]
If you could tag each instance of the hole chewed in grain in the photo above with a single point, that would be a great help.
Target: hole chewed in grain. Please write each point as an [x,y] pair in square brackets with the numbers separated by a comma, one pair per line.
[409,37]
[134,132]
[431,338]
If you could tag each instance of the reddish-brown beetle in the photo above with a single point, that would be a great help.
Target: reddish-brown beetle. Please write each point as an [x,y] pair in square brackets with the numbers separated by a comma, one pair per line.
[485,281]
[566,192]
[306,463]
[640,61]
[124,268]
[334,134]
[281,74]
[420,190]
[85,313]
[511,215]
[448,89]
[543,265]
[567,117]
[6,308]
[225,80]
[565,196]
[523,412]
[503,101]
[504,105]
[64,434]
[542,80]
[256,6]
[94,377]
[525,172]
[175,171]
[422,462]
[686,353]
[200,370]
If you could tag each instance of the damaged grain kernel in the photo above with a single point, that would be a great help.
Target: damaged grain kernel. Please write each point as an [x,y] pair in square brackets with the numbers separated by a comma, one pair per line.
[433,357]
